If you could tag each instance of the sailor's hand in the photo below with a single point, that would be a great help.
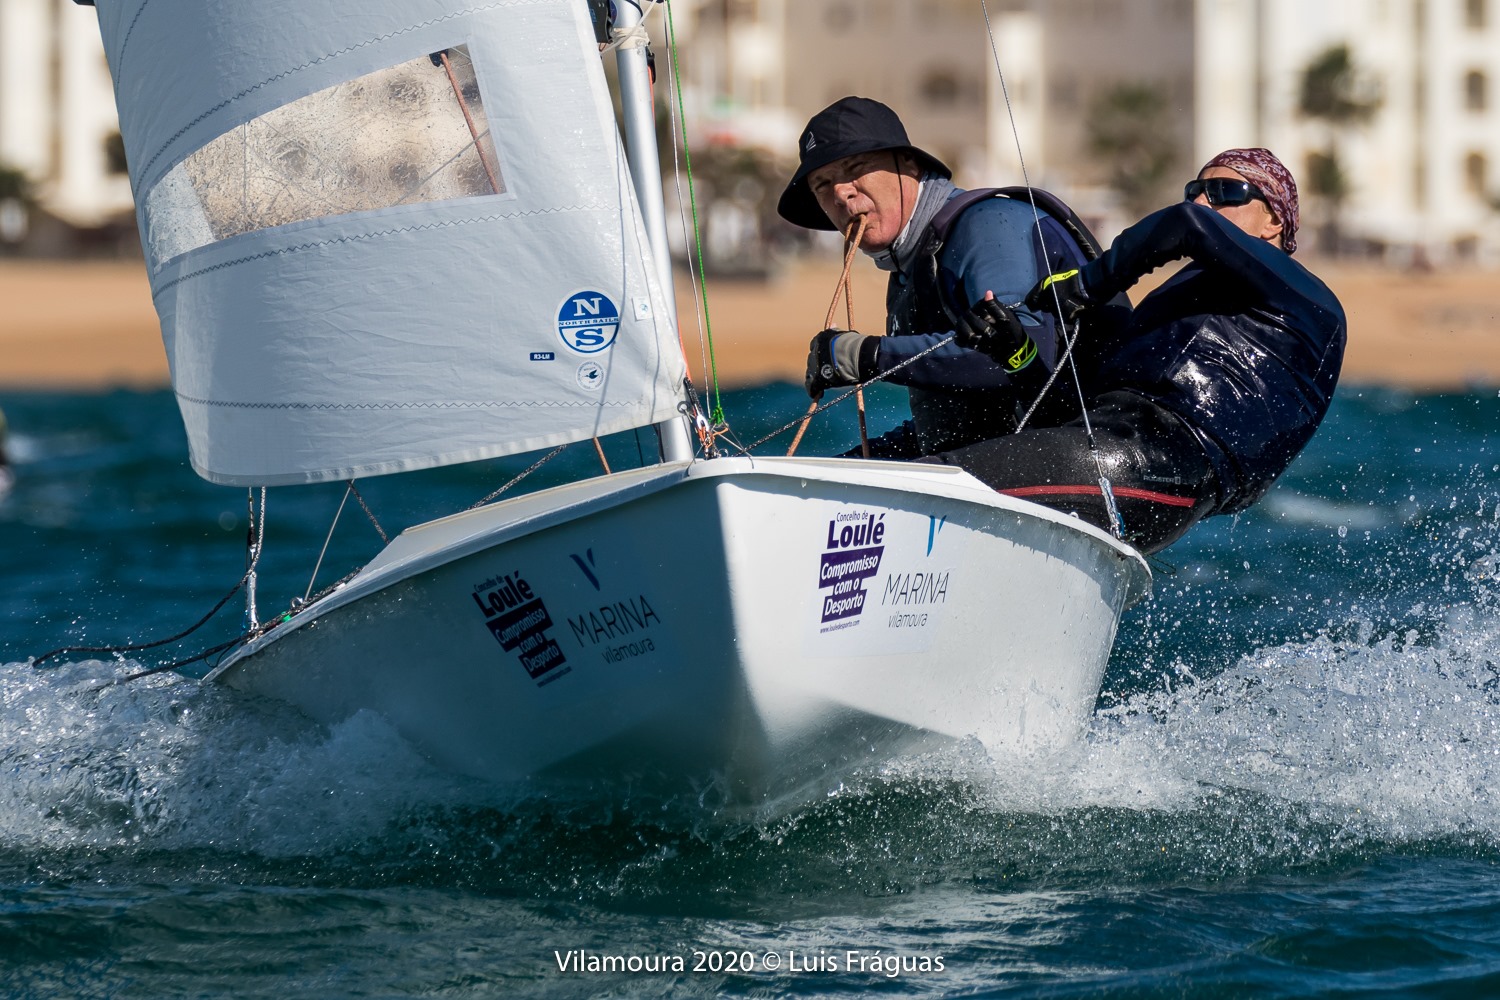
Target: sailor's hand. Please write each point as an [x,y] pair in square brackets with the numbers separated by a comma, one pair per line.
[992,328]
[839,357]
[1063,295]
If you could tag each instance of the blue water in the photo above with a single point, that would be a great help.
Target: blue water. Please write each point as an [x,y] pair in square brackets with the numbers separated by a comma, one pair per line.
[1291,786]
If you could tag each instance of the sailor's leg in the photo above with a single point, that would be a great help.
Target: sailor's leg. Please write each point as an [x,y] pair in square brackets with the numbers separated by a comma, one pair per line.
[1160,478]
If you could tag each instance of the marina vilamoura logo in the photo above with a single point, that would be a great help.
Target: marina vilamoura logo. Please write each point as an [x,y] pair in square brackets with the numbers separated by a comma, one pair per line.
[588,322]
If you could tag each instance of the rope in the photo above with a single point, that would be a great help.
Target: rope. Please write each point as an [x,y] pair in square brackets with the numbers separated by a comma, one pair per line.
[634,37]
[716,414]
[599,448]
[536,465]
[136,647]
[1069,338]
[852,239]
[369,513]
[816,408]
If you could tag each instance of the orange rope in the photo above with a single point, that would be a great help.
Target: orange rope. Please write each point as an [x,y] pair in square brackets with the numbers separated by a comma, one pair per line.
[602,460]
[473,129]
[852,239]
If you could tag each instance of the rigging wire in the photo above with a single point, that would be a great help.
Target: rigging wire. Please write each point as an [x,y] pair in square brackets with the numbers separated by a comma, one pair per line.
[1070,337]
[536,465]
[369,513]
[819,408]
[324,551]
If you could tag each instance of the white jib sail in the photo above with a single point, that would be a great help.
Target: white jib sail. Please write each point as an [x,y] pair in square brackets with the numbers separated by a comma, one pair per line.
[385,235]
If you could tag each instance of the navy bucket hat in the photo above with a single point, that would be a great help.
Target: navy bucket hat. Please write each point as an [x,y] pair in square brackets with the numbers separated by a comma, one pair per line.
[844,128]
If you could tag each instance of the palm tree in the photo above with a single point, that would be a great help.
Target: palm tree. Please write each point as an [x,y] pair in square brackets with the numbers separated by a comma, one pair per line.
[1337,93]
[1128,127]
[16,199]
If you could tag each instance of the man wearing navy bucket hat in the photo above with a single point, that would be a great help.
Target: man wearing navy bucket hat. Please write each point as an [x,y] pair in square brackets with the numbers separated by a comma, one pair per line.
[954,259]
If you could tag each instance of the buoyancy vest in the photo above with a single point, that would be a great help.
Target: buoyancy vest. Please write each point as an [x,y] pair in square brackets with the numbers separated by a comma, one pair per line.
[933,300]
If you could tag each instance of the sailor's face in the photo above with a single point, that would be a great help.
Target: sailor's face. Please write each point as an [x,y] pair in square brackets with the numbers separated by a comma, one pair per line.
[1254,217]
[880,186]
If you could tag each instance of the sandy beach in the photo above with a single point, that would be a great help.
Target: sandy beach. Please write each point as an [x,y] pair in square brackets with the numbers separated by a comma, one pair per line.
[91,326]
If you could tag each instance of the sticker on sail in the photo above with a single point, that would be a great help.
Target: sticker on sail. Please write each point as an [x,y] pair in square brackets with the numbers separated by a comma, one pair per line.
[519,621]
[591,376]
[851,556]
[588,322]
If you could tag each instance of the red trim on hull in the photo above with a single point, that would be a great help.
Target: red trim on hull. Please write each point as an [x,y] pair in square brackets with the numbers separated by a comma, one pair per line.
[1128,492]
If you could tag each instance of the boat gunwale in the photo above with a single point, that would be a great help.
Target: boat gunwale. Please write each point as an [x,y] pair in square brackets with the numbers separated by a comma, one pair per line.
[601,493]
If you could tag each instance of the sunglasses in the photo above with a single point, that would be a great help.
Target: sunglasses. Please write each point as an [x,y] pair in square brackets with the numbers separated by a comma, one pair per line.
[1222,191]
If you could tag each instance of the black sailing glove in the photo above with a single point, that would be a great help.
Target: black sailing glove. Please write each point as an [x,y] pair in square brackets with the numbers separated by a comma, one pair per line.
[990,327]
[839,357]
[1063,295]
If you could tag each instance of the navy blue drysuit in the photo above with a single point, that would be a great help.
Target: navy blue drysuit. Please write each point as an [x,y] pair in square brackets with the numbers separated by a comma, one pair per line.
[959,396]
[1217,381]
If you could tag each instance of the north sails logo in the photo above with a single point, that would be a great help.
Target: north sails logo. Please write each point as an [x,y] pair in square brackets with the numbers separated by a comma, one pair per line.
[810,144]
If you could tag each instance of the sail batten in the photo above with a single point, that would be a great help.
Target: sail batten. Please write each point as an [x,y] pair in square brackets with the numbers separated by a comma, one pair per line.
[387,254]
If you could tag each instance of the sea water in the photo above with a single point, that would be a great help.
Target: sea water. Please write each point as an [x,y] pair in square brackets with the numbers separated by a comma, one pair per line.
[1289,787]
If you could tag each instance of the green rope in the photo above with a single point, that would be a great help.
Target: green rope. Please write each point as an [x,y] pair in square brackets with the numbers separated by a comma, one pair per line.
[717,413]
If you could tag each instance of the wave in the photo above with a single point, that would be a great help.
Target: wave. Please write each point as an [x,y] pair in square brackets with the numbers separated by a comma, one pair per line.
[1297,755]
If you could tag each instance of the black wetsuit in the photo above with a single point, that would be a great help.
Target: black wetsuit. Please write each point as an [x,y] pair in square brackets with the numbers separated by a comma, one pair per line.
[1214,386]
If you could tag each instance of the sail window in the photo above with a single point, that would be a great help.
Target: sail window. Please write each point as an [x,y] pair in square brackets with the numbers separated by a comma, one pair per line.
[410,133]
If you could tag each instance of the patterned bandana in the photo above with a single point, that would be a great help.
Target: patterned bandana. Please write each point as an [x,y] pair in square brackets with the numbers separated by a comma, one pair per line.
[1261,168]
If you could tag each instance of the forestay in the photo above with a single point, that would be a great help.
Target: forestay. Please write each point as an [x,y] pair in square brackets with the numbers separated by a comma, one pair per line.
[384,235]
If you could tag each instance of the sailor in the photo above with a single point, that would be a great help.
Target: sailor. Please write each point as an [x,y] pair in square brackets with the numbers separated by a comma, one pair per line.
[954,259]
[1219,380]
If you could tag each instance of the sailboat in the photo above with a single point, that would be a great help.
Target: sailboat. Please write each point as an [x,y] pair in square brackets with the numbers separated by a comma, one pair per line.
[397,234]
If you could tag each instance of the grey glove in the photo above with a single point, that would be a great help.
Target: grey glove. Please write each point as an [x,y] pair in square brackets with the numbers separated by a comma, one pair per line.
[839,357]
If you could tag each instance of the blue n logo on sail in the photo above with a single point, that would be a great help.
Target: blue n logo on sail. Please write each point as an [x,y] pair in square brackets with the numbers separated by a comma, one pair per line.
[588,322]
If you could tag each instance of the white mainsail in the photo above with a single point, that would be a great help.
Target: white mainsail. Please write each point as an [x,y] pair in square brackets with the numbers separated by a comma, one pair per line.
[385,235]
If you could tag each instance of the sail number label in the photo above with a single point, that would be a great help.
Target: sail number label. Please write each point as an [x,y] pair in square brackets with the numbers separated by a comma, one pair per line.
[588,322]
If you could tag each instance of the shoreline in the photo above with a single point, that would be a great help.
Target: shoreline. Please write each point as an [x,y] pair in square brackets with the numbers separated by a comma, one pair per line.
[91,325]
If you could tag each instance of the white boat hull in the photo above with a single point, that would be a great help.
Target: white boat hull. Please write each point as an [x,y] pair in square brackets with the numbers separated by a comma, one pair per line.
[762,621]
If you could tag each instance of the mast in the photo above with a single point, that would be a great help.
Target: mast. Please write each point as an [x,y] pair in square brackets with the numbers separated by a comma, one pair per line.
[639,122]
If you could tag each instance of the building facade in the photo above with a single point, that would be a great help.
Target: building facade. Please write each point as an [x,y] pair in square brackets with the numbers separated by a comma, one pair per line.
[58,125]
[1423,173]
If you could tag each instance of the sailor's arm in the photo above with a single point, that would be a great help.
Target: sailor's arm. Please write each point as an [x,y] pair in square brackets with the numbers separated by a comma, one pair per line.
[989,253]
[1198,232]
